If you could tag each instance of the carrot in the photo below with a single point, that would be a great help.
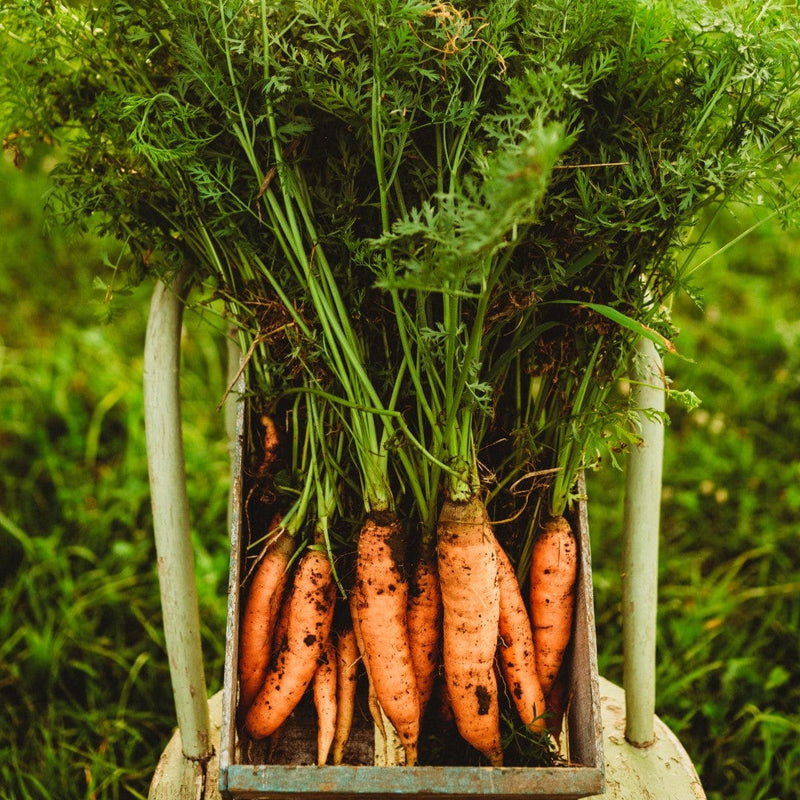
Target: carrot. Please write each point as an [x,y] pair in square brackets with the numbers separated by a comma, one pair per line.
[557,702]
[263,491]
[347,682]
[382,599]
[374,708]
[309,623]
[272,445]
[517,656]
[471,604]
[325,694]
[554,568]
[445,707]
[281,626]
[260,613]
[278,645]
[425,626]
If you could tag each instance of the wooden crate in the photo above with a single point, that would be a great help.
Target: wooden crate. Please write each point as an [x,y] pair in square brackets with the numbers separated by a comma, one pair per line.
[244,772]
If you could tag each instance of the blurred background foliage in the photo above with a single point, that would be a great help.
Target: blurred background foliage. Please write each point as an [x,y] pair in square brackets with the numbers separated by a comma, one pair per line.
[85,699]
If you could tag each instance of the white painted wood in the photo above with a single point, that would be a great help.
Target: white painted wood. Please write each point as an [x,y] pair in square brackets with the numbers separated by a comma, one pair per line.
[660,771]
[175,778]
[171,525]
[640,545]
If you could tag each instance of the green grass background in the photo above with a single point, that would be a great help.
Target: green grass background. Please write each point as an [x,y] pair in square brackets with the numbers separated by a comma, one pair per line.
[85,699]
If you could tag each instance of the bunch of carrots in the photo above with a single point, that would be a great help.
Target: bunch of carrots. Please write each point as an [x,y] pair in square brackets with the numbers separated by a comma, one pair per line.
[453,626]
[453,349]
[387,409]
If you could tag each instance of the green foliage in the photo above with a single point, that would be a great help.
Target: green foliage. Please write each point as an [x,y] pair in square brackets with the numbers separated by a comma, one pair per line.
[507,155]
[85,687]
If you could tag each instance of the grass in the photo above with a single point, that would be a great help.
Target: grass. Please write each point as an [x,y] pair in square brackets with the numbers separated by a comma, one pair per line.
[728,640]
[85,698]
[85,701]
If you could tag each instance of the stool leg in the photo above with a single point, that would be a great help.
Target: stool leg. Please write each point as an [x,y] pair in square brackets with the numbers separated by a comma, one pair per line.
[640,546]
[171,528]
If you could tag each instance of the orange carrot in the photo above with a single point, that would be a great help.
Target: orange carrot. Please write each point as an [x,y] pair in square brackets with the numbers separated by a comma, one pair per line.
[347,682]
[517,657]
[272,445]
[259,615]
[374,708]
[471,603]
[279,644]
[445,707]
[425,626]
[382,599]
[325,679]
[554,568]
[281,626]
[309,624]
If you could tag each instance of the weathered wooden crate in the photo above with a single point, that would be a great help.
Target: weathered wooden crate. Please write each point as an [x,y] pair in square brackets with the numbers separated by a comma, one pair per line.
[245,773]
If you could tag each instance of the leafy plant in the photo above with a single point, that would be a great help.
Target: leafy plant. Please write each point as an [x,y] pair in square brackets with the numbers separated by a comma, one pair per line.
[730,474]
[727,561]
[507,191]
[502,170]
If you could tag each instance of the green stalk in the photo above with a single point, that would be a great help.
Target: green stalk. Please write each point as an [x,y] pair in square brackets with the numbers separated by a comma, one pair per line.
[459,414]
[327,461]
[570,447]
[302,461]
[426,498]
[342,345]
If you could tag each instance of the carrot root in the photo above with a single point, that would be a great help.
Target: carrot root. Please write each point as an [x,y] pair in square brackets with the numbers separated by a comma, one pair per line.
[272,445]
[516,649]
[259,616]
[557,703]
[471,606]
[374,708]
[381,593]
[347,657]
[310,615]
[554,568]
[425,627]
[325,697]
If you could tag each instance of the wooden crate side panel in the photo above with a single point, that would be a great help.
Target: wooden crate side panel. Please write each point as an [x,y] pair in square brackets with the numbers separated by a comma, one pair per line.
[584,719]
[227,746]
[431,783]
